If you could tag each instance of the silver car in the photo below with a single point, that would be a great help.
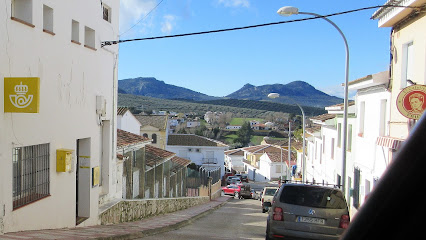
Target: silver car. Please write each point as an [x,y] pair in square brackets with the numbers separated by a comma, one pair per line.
[304,211]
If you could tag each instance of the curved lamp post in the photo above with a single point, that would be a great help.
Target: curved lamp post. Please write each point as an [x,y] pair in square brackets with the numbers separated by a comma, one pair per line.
[288,11]
[276,95]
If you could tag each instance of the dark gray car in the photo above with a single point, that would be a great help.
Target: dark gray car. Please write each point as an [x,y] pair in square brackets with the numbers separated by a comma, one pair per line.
[307,212]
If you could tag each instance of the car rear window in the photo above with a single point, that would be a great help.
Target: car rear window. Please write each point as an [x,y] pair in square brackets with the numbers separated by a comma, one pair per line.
[270,191]
[313,197]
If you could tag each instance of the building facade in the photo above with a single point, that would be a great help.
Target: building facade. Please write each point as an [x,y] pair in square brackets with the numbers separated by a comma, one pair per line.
[58,113]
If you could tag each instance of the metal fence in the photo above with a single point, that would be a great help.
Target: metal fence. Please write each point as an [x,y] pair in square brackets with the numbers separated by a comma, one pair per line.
[200,177]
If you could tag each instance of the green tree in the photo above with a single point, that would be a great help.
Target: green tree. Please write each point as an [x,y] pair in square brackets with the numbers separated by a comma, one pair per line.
[244,134]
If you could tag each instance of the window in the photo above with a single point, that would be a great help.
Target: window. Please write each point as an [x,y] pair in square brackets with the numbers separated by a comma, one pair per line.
[349,145]
[339,135]
[145,135]
[75,32]
[313,196]
[22,11]
[323,144]
[407,64]
[277,169]
[48,20]
[357,178]
[106,13]
[89,38]
[154,138]
[31,179]
[361,119]
[332,148]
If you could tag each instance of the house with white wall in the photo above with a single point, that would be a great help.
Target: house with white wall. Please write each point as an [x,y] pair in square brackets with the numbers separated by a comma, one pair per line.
[407,66]
[202,151]
[373,115]
[127,121]
[58,116]
[234,160]
[275,165]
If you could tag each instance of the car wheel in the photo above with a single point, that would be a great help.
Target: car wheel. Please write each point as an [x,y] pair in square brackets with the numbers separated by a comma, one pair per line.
[236,195]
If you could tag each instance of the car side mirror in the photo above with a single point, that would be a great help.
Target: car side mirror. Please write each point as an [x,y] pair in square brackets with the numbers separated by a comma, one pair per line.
[267,204]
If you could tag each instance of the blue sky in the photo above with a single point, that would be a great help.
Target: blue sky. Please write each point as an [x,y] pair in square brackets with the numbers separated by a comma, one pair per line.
[221,63]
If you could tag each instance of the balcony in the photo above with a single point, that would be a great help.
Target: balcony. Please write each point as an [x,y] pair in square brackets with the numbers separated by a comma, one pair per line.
[209,160]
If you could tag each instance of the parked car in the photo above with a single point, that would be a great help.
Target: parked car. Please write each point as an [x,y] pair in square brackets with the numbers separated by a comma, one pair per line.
[228,179]
[254,194]
[245,191]
[307,211]
[244,178]
[235,181]
[267,196]
[232,190]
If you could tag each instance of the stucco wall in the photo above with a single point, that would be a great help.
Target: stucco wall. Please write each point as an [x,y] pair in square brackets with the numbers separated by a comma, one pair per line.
[133,210]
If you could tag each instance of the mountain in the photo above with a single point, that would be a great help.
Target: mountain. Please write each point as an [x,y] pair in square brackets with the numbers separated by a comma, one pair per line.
[151,87]
[297,91]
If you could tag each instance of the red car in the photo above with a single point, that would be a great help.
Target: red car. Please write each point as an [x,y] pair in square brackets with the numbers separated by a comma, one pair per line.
[232,190]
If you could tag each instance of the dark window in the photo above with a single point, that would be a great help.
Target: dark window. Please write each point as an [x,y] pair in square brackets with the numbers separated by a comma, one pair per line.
[316,197]
[31,179]
[357,175]
[154,138]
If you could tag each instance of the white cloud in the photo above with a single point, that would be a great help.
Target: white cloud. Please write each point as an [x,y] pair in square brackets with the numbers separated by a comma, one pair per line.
[235,3]
[169,21]
[131,11]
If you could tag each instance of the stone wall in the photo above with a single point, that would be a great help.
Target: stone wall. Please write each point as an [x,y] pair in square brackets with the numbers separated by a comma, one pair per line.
[133,210]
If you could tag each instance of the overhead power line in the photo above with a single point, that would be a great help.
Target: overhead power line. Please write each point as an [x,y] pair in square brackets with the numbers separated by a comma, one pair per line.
[106,43]
[143,18]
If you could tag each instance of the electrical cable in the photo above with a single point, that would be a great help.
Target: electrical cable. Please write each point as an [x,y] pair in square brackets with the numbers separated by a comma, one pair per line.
[143,18]
[105,43]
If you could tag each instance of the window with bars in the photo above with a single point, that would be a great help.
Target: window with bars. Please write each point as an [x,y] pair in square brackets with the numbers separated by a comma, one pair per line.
[31,178]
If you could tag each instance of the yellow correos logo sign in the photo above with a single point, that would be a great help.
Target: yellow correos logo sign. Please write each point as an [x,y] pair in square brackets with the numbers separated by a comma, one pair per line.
[22,95]
[411,101]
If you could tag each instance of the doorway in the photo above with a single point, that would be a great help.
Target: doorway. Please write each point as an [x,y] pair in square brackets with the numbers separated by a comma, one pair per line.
[83,178]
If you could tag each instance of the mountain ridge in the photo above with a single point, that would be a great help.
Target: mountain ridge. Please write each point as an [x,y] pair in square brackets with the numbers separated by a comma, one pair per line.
[294,92]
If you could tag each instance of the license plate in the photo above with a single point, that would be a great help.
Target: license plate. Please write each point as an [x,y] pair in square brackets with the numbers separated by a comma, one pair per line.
[311,220]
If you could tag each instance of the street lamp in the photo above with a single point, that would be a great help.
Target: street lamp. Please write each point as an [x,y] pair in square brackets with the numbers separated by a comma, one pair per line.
[276,95]
[288,11]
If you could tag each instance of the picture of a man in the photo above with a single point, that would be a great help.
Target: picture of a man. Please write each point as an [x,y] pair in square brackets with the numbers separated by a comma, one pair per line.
[416,102]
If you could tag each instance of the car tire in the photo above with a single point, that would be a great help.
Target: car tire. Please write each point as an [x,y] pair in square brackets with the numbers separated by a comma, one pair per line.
[237,195]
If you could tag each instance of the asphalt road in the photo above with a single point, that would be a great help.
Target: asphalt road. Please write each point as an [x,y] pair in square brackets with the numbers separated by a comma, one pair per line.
[237,219]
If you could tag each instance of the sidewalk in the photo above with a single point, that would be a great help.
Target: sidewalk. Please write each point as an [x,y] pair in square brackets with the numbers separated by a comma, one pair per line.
[127,230]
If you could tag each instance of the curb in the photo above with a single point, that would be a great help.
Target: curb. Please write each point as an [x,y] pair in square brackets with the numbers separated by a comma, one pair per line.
[150,232]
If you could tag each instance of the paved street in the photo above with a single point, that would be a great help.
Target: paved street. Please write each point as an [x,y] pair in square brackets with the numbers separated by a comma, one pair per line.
[237,219]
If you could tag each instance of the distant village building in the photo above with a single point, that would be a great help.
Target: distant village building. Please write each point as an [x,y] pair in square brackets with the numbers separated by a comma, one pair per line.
[202,151]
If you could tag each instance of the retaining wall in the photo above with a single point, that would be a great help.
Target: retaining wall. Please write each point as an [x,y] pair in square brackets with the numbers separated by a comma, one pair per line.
[137,209]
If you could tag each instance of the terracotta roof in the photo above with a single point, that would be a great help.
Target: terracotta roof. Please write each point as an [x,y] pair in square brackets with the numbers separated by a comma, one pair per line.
[121,110]
[192,140]
[125,138]
[158,121]
[324,117]
[156,155]
[276,157]
[237,151]
[276,141]
[261,149]
[181,161]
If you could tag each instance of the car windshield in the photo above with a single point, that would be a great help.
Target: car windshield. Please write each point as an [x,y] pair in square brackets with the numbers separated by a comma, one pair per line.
[313,197]
[270,191]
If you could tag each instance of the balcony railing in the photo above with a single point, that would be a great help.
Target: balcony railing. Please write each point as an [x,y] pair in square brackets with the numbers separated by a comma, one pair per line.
[209,160]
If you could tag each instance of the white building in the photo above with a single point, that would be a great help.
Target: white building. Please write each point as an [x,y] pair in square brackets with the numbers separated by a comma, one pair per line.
[202,151]
[373,115]
[127,121]
[273,165]
[234,160]
[57,131]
